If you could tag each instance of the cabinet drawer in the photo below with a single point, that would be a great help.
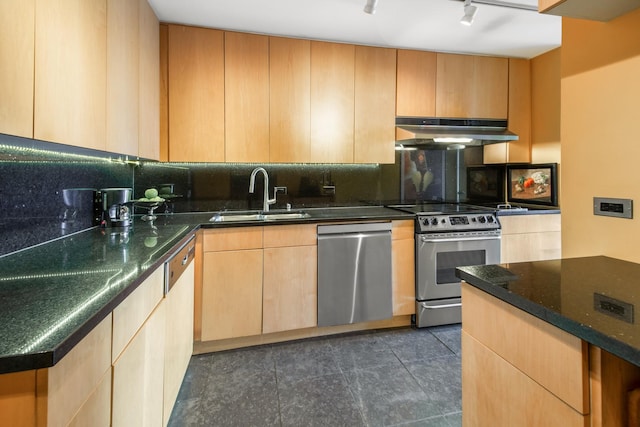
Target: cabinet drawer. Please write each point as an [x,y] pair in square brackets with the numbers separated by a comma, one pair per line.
[553,358]
[129,316]
[487,377]
[519,224]
[232,239]
[290,235]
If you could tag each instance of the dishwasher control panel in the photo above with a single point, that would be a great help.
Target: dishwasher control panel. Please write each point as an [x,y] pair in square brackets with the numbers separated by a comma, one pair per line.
[178,263]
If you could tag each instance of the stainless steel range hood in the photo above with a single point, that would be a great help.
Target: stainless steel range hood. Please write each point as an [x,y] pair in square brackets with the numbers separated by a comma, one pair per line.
[442,133]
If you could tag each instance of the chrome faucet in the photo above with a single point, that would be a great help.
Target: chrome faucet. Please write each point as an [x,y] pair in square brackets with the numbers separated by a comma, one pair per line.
[266,201]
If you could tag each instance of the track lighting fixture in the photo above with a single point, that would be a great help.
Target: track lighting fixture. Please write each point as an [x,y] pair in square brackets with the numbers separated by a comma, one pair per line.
[469,13]
[370,7]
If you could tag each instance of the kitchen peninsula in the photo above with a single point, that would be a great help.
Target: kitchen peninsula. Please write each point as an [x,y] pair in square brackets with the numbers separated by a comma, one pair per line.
[550,342]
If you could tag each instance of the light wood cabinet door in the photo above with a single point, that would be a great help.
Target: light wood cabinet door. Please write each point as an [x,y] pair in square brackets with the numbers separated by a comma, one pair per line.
[246,97]
[70,72]
[17,52]
[164,93]
[518,151]
[138,375]
[231,294]
[178,337]
[530,238]
[290,100]
[64,389]
[403,264]
[332,102]
[470,86]
[290,289]
[149,87]
[375,89]
[122,76]
[416,92]
[195,94]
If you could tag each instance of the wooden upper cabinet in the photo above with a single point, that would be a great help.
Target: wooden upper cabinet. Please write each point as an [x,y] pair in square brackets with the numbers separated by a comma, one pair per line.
[246,97]
[332,102]
[70,72]
[290,104]
[196,94]
[472,86]
[149,87]
[416,81]
[122,76]
[164,92]
[17,50]
[375,95]
[518,151]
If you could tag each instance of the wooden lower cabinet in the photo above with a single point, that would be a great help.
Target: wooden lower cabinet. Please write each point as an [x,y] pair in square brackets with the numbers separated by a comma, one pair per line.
[74,389]
[178,338]
[403,264]
[530,238]
[290,287]
[495,393]
[138,375]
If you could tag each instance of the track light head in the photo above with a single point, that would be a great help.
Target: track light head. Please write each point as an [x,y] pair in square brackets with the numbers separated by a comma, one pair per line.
[370,7]
[469,13]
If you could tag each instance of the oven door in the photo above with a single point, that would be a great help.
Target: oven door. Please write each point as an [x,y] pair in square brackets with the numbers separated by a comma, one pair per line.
[437,259]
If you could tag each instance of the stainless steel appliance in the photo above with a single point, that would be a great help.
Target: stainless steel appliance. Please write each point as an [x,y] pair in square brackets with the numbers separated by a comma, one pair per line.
[354,273]
[449,236]
[114,207]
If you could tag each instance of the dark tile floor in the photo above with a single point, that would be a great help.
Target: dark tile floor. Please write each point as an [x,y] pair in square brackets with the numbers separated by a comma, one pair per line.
[407,377]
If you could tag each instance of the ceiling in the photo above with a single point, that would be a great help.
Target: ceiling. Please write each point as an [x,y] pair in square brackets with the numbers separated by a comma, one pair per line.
[411,24]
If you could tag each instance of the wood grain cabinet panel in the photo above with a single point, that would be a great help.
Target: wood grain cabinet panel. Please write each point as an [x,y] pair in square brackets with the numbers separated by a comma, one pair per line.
[290,100]
[149,87]
[375,94]
[232,294]
[530,238]
[290,289]
[555,359]
[122,76]
[70,82]
[518,151]
[403,262]
[332,102]
[486,376]
[63,389]
[470,86]
[196,94]
[416,91]
[246,97]
[17,56]
[138,375]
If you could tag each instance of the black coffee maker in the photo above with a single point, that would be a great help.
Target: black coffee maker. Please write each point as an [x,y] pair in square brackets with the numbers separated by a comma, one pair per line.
[113,207]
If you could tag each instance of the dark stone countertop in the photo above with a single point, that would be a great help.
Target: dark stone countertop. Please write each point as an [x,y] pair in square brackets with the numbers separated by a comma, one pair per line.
[587,297]
[52,295]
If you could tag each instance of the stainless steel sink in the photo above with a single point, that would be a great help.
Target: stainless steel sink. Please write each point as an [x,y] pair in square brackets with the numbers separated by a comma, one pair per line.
[260,216]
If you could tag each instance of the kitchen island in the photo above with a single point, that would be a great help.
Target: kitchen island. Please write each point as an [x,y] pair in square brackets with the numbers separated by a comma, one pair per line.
[550,342]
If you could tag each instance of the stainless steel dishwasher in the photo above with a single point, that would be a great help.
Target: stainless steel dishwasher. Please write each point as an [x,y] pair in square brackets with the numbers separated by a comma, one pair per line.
[354,273]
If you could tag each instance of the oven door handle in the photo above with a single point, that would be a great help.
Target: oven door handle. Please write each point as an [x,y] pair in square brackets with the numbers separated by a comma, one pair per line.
[433,307]
[425,239]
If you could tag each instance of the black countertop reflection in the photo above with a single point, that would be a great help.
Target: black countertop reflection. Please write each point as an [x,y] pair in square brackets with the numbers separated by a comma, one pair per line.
[593,298]
[53,294]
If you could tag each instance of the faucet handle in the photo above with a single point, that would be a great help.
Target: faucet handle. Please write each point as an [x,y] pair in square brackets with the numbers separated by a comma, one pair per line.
[282,190]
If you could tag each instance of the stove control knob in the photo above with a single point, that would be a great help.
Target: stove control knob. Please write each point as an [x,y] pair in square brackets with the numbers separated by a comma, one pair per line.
[425,221]
[481,219]
[489,219]
[434,221]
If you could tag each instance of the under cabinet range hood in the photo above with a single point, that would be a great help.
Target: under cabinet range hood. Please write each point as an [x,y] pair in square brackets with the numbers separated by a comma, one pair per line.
[447,133]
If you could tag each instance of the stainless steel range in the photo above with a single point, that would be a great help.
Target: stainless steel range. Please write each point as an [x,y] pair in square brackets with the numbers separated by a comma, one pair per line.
[449,236]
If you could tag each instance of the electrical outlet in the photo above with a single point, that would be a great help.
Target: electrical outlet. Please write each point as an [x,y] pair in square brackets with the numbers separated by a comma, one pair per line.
[619,208]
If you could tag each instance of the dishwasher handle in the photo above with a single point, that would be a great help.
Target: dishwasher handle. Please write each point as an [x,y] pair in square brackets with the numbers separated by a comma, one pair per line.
[178,263]
[355,228]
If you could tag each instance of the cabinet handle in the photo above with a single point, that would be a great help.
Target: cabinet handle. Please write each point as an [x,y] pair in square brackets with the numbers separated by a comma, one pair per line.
[434,307]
